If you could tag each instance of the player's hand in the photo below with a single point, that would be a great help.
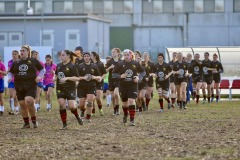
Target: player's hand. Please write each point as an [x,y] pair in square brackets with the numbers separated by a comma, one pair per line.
[215,71]
[112,66]
[123,75]
[100,79]
[186,74]
[52,71]
[63,80]
[147,79]
[9,80]
[37,79]
[135,79]
[166,77]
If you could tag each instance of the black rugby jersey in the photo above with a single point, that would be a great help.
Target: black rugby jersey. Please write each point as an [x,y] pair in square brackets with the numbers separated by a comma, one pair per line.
[182,67]
[67,70]
[88,70]
[162,71]
[205,65]
[101,68]
[78,61]
[195,68]
[109,63]
[131,69]
[24,71]
[217,65]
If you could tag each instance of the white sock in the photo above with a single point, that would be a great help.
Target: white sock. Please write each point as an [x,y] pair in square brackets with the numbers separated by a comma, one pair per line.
[12,104]
[17,108]
[66,103]
[36,106]
[109,99]
[48,106]
[2,108]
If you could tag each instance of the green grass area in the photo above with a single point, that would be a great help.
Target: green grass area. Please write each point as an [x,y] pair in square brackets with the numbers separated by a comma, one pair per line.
[204,131]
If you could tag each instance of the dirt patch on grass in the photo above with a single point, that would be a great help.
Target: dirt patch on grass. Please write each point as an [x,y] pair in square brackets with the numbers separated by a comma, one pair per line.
[200,132]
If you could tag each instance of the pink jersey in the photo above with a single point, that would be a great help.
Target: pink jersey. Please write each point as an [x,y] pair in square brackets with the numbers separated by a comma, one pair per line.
[38,71]
[49,75]
[10,63]
[2,68]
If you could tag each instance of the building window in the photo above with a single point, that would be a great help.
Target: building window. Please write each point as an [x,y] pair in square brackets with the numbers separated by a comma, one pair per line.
[188,6]
[219,5]
[68,7]
[47,38]
[3,39]
[19,6]
[178,6]
[58,7]
[88,6]
[236,5]
[157,6]
[15,38]
[72,39]
[128,6]
[97,6]
[9,7]
[147,6]
[167,6]
[78,7]
[117,6]
[2,7]
[108,6]
[38,7]
[209,6]
[198,6]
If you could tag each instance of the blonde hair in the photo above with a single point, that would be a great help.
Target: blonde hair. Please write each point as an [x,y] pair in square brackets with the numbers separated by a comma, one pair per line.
[27,47]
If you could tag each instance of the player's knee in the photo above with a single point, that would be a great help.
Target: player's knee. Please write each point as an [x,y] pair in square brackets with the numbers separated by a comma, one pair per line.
[89,104]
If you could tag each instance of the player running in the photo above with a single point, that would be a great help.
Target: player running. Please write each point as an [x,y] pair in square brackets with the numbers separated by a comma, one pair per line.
[172,86]
[216,76]
[66,77]
[195,69]
[149,67]
[162,72]
[13,102]
[114,82]
[106,92]
[48,80]
[207,67]
[88,75]
[25,81]
[2,74]
[35,55]
[128,70]
[142,86]
[180,71]
[99,85]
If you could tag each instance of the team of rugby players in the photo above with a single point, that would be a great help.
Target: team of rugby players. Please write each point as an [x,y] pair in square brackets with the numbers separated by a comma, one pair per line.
[131,75]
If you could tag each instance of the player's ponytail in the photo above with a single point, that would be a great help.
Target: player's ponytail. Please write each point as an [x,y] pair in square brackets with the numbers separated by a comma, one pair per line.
[96,56]
[70,54]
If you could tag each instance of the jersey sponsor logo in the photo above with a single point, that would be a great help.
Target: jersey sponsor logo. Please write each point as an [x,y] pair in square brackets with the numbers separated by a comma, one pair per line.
[128,74]
[181,73]
[61,75]
[23,69]
[29,62]
[89,77]
[205,70]
[196,70]
[133,66]
[161,76]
